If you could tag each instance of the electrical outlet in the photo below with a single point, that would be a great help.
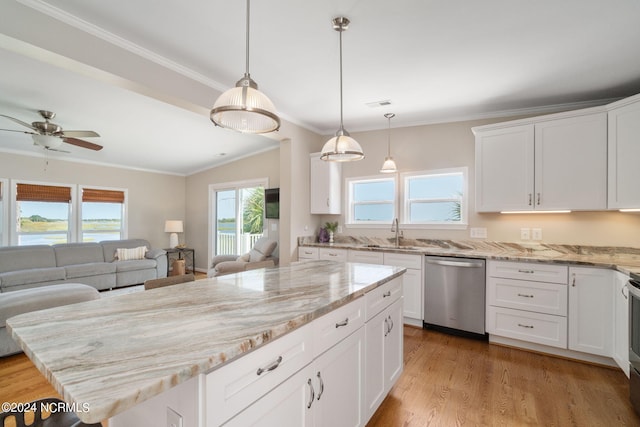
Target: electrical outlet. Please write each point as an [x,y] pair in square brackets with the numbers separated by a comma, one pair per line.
[525,234]
[174,419]
[274,226]
[478,232]
[536,233]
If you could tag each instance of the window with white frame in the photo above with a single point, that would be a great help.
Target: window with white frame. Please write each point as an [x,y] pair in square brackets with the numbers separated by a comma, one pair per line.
[437,197]
[102,214]
[43,213]
[371,200]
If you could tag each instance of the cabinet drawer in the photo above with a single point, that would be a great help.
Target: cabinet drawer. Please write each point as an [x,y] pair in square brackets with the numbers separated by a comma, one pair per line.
[539,328]
[335,326]
[368,257]
[383,296]
[307,253]
[332,254]
[549,298]
[403,260]
[235,386]
[533,271]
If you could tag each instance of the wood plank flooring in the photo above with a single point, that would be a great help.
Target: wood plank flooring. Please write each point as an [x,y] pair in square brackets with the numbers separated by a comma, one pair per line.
[453,381]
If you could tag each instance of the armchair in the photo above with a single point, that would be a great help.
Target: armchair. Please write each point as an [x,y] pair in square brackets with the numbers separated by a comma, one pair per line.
[260,256]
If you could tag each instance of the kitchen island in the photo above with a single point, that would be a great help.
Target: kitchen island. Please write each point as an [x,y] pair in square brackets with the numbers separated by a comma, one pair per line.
[111,354]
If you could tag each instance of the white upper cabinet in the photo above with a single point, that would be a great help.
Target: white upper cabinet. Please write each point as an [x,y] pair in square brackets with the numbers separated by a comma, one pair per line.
[326,186]
[624,152]
[544,163]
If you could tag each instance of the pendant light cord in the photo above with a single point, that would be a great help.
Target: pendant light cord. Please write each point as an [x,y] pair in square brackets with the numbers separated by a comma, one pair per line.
[389,139]
[341,122]
[247,59]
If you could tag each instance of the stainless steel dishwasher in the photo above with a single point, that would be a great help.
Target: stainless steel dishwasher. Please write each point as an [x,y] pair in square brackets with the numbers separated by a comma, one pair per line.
[454,295]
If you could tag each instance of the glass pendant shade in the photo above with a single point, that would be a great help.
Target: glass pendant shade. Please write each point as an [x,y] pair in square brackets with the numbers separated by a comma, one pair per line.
[244,108]
[341,148]
[47,141]
[389,166]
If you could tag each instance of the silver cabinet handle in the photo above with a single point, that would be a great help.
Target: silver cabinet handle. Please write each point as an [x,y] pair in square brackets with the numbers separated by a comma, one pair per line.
[525,326]
[333,254]
[386,294]
[526,271]
[454,263]
[345,322]
[327,201]
[273,365]
[525,295]
[308,252]
[386,327]
[530,199]
[313,394]
[321,385]
[391,323]
[573,281]
[538,199]
[626,296]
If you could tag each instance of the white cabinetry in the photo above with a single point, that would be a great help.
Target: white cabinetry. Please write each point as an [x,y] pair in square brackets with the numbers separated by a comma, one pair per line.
[384,345]
[326,185]
[590,310]
[550,163]
[412,284]
[621,321]
[527,302]
[624,152]
[367,257]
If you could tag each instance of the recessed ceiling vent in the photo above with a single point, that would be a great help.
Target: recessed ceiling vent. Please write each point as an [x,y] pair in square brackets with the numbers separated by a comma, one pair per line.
[377,104]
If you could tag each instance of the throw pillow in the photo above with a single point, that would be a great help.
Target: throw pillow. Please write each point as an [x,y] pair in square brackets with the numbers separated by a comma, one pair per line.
[125,254]
[256,256]
[244,258]
[265,246]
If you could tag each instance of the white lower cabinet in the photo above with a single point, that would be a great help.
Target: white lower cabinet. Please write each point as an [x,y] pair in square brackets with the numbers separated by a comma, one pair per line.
[412,284]
[384,362]
[590,310]
[621,321]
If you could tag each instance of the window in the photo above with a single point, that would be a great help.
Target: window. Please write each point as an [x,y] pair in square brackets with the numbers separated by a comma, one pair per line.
[436,197]
[4,218]
[102,214]
[371,201]
[44,214]
[237,216]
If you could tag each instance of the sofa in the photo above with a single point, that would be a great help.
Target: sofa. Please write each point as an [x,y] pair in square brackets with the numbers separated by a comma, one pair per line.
[260,256]
[94,264]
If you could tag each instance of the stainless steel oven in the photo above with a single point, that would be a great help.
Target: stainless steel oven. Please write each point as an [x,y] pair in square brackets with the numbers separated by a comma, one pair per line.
[634,341]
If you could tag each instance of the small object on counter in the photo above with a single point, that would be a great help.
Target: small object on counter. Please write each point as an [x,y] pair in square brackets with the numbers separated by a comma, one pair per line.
[331,227]
[323,235]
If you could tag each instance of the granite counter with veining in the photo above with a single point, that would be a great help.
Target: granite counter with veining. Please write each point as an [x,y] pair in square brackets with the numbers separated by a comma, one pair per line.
[624,259]
[113,353]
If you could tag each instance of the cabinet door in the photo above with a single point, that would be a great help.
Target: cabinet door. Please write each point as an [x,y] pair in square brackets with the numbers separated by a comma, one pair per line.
[288,405]
[394,346]
[590,310]
[325,181]
[504,169]
[621,322]
[571,163]
[412,290]
[339,383]
[624,152]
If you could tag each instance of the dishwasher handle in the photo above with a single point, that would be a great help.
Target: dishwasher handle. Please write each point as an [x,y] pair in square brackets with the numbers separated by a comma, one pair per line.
[468,264]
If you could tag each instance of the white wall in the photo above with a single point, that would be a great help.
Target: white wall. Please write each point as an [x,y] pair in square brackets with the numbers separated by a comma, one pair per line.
[153,197]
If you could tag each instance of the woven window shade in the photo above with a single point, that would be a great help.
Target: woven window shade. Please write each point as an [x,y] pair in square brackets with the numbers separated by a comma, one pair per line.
[102,196]
[43,193]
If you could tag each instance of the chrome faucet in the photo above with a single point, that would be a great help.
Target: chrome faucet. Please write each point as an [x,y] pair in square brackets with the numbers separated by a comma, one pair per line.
[395,228]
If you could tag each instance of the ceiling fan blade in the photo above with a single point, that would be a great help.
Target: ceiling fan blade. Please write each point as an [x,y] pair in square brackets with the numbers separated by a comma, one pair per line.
[19,131]
[56,150]
[20,122]
[81,143]
[78,134]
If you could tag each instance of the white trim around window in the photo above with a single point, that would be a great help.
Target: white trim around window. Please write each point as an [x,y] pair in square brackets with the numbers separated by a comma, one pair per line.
[350,216]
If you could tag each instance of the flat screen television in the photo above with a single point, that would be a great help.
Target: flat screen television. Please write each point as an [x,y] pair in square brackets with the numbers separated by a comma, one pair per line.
[272,203]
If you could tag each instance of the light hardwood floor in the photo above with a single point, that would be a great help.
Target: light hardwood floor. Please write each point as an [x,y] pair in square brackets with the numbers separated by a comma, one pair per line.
[453,381]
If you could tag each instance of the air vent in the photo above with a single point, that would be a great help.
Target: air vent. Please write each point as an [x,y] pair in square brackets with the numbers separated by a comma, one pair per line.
[377,104]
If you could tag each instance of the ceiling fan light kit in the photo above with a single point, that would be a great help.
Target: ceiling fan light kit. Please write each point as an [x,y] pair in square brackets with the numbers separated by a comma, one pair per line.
[341,148]
[389,165]
[244,108]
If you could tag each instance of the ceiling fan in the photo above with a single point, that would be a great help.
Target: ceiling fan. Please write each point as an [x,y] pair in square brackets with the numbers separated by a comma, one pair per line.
[50,136]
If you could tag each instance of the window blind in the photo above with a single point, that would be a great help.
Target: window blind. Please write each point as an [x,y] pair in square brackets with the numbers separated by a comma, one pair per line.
[43,193]
[102,196]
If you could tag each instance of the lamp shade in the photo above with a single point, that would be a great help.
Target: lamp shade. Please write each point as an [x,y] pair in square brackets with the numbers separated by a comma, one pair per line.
[245,109]
[173,226]
[47,141]
[389,166]
[342,148]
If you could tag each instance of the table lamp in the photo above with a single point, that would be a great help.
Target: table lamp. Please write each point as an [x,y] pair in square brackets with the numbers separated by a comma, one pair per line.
[173,226]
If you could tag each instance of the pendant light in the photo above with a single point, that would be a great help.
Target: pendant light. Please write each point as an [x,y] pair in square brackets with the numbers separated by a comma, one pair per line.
[244,108]
[341,148]
[389,165]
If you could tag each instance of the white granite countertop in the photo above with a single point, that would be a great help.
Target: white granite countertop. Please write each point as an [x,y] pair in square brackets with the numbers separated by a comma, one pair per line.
[624,259]
[113,353]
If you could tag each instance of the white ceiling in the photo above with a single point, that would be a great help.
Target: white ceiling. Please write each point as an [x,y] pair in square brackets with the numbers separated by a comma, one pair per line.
[144,73]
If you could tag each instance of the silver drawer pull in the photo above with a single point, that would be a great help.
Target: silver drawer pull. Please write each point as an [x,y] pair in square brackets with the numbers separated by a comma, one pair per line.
[270,367]
[387,329]
[386,294]
[333,254]
[525,295]
[525,326]
[308,252]
[526,271]
[321,386]
[391,324]
[313,394]
[345,322]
